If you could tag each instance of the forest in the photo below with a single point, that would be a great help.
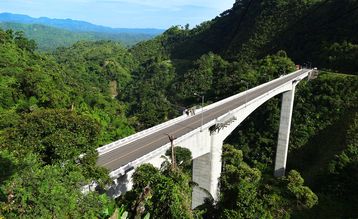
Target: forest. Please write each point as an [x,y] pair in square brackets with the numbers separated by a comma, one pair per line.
[49,38]
[57,107]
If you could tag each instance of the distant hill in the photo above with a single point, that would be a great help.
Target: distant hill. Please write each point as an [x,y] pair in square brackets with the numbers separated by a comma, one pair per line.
[74,25]
[49,38]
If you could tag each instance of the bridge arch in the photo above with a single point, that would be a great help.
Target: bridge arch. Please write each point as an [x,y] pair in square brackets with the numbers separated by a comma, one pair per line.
[205,142]
[194,140]
[207,163]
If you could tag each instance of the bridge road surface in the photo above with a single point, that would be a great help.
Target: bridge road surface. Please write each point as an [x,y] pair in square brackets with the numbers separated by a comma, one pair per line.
[121,156]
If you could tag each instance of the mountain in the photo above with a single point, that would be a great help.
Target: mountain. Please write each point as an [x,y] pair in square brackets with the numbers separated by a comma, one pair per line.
[56,106]
[49,38]
[318,32]
[74,25]
[251,41]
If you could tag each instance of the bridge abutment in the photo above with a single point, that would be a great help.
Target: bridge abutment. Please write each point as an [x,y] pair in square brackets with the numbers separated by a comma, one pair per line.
[284,132]
[206,172]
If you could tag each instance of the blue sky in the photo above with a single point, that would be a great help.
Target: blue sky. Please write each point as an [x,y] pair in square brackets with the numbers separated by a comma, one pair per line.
[122,13]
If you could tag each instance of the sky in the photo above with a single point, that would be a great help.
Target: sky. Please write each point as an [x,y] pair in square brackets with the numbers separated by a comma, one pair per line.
[122,13]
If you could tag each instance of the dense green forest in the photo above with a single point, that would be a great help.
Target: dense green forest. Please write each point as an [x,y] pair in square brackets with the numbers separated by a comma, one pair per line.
[49,38]
[318,32]
[56,107]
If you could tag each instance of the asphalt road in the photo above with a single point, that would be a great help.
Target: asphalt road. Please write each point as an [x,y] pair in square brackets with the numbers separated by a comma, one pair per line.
[136,149]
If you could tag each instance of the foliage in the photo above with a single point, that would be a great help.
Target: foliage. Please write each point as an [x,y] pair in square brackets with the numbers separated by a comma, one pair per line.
[318,104]
[49,38]
[91,69]
[40,123]
[348,157]
[99,61]
[55,135]
[320,32]
[54,107]
[245,194]
[162,194]
[341,56]
[48,191]
[147,95]
[342,173]
[332,172]
[26,79]
[238,186]
[305,197]
[182,157]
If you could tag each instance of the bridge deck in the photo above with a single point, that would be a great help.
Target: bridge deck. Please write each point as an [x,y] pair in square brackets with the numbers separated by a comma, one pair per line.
[121,156]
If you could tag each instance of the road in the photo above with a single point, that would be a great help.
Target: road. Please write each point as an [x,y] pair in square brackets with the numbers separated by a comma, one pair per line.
[136,149]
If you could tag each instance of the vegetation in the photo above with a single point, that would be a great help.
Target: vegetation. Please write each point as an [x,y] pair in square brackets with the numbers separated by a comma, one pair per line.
[245,193]
[334,148]
[56,109]
[49,38]
[163,193]
[46,123]
[315,32]
[31,189]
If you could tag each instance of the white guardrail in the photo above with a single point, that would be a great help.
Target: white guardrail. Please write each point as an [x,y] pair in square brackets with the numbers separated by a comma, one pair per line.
[161,150]
[121,142]
[114,145]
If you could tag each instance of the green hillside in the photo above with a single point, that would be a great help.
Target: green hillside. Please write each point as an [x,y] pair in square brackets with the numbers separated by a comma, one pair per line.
[49,38]
[320,33]
[56,106]
[215,57]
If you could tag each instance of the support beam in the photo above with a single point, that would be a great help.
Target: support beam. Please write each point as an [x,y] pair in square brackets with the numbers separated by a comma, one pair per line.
[206,172]
[284,132]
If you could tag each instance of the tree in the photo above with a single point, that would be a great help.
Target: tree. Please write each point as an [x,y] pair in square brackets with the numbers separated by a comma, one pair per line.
[239,187]
[57,135]
[148,93]
[182,157]
[245,193]
[23,43]
[47,191]
[304,196]
[163,195]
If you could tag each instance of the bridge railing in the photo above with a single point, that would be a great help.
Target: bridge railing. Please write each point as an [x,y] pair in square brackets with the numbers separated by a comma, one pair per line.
[121,142]
[228,99]
[116,144]
[133,164]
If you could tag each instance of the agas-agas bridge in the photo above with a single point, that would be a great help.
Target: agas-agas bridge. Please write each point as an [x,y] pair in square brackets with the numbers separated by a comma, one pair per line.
[203,134]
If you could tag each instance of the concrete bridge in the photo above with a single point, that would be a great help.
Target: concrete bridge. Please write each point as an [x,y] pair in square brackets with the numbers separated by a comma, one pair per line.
[203,134]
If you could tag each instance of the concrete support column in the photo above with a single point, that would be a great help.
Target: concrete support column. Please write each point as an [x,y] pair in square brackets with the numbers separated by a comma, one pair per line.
[216,153]
[284,132]
[206,173]
[201,176]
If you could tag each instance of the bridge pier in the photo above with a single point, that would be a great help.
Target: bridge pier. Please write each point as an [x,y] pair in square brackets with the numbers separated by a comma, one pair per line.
[284,132]
[206,172]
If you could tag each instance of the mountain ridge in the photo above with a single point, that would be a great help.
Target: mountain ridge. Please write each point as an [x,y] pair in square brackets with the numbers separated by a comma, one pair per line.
[74,25]
[49,38]
[315,32]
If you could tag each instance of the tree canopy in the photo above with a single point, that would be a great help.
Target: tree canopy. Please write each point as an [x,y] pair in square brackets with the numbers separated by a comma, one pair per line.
[57,108]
